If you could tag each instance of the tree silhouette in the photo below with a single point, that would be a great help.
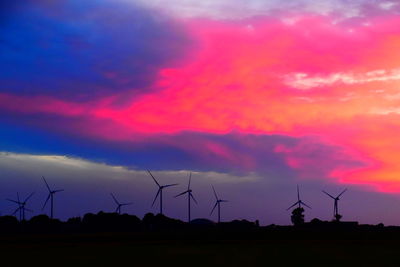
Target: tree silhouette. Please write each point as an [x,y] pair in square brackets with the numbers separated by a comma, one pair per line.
[338,217]
[297,216]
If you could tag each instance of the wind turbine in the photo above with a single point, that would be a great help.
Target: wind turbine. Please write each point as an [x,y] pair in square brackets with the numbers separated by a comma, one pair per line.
[298,202]
[119,205]
[21,206]
[51,197]
[159,192]
[190,196]
[336,214]
[217,203]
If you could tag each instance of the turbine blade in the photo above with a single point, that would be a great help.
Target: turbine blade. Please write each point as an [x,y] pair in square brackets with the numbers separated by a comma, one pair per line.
[116,201]
[215,194]
[48,187]
[158,192]
[29,197]
[223,200]
[305,204]
[328,194]
[181,194]
[190,178]
[216,203]
[168,185]
[47,199]
[342,192]
[191,195]
[59,190]
[297,202]
[17,202]
[298,193]
[154,178]
[126,204]
[15,211]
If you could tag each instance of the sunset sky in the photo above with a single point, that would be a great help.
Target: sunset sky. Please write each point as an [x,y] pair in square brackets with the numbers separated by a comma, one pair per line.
[251,96]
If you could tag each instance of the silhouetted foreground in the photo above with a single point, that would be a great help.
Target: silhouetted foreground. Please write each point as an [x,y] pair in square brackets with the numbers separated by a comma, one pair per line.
[109,239]
[115,223]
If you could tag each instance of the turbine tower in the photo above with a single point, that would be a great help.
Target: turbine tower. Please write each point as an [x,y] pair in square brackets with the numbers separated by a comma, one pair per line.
[336,214]
[21,206]
[189,196]
[217,203]
[159,192]
[119,205]
[298,202]
[51,197]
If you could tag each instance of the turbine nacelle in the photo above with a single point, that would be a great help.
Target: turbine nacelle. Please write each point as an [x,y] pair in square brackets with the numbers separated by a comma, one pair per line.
[218,202]
[165,186]
[50,197]
[119,205]
[336,199]
[160,190]
[190,196]
[21,206]
[299,202]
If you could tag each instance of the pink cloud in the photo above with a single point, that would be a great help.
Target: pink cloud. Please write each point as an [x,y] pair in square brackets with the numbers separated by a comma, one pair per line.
[235,82]
[40,104]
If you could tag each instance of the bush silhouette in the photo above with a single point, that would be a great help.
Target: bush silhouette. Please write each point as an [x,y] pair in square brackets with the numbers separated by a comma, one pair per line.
[297,216]
[161,222]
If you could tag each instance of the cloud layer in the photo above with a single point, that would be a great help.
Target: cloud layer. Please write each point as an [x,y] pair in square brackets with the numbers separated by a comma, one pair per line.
[240,9]
[236,82]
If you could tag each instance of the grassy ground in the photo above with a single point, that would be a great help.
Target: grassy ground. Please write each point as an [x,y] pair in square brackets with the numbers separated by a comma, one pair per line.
[109,250]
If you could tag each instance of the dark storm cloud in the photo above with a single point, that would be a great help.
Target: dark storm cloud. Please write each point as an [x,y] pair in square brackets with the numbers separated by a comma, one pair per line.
[274,156]
[83,49]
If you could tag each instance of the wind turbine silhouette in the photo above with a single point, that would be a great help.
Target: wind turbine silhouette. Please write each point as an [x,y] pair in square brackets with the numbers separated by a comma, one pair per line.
[298,202]
[190,196]
[336,214]
[21,206]
[119,205]
[159,192]
[51,197]
[217,203]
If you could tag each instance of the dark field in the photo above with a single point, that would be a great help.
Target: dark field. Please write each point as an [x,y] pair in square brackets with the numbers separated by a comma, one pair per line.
[153,250]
